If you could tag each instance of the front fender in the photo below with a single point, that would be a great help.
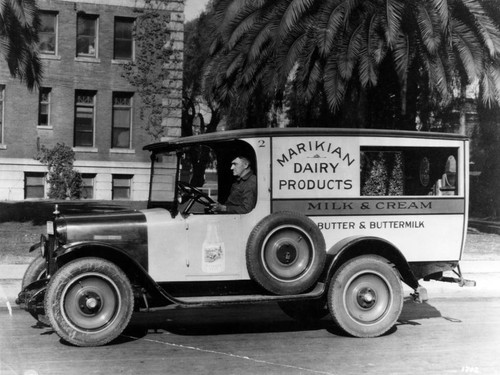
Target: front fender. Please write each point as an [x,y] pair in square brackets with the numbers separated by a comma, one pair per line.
[135,271]
[354,246]
[69,252]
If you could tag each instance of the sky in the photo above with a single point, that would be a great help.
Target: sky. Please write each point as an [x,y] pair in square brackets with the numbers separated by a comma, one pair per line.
[193,8]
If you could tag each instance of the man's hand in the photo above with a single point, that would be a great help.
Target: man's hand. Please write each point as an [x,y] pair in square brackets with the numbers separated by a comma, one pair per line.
[217,207]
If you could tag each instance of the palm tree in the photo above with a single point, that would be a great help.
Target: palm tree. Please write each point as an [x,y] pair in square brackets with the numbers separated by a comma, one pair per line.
[354,47]
[19,25]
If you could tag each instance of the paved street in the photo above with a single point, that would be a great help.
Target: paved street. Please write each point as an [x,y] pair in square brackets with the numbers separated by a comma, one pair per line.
[446,335]
[457,331]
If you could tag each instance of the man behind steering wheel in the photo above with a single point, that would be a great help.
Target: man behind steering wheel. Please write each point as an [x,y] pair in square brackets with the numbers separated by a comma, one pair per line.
[243,195]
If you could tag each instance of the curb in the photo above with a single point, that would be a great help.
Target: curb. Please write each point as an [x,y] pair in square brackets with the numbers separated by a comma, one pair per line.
[485,226]
[12,271]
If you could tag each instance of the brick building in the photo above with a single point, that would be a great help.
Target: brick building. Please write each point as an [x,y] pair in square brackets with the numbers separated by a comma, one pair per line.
[84,102]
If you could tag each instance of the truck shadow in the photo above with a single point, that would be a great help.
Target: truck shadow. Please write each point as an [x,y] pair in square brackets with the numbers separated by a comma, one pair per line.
[241,319]
[414,311]
[248,319]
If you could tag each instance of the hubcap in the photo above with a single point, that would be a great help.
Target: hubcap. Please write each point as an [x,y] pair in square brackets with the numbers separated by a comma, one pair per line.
[287,253]
[367,297]
[90,302]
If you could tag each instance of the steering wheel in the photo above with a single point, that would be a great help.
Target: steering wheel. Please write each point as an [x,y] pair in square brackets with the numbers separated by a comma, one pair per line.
[195,194]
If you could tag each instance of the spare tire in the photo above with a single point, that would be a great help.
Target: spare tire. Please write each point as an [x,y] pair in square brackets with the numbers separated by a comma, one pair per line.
[286,253]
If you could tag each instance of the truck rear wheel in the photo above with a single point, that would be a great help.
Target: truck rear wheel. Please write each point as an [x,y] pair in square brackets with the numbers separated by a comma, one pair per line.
[286,253]
[365,296]
[89,302]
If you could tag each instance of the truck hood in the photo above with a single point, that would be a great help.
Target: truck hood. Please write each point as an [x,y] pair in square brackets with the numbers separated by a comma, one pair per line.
[119,227]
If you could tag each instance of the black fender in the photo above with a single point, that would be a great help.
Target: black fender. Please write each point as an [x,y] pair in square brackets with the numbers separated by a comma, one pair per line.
[136,272]
[354,246]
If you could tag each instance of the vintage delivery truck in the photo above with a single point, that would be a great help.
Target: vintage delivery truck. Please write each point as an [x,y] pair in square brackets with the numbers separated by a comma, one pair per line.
[342,217]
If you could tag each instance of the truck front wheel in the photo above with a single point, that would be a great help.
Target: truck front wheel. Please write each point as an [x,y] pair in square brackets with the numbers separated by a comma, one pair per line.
[89,302]
[365,296]
[37,270]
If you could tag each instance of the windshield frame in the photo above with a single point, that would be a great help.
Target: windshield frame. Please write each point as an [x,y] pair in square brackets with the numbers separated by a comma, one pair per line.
[172,205]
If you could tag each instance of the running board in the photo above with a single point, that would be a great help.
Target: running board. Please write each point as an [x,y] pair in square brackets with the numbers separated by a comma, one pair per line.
[211,301]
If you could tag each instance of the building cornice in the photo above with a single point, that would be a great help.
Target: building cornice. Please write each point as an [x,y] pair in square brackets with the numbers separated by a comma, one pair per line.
[172,5]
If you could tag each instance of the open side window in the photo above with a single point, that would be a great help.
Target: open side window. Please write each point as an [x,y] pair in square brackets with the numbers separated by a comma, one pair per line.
[408,171]
[207,168]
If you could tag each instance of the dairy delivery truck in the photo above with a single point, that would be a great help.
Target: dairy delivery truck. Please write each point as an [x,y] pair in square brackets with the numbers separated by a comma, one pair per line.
[343,217]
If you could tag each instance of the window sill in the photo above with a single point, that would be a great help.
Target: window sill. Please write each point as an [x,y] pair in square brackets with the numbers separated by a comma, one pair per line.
[121,61]
[86,149]
[44,127]
[50,57]
[121,151]
[93,60]
[3,147]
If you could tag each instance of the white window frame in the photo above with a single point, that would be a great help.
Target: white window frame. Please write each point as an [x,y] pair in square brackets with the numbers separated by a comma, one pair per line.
[94,107]
[86,56]
[44,184]
[2,116]
[132,58]
[49,107]
[130,95]
[92,178]
[56,32]
[124,177]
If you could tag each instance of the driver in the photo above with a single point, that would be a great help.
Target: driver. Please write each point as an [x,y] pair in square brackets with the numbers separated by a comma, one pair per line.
[243,194]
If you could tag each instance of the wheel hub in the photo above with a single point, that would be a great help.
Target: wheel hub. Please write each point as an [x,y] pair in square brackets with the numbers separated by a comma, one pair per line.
[90,303]
[286,254]
[366,298]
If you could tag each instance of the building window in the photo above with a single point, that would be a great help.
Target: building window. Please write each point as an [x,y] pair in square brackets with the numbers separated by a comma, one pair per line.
[44,106]
[34,185]
[2,106]
[86,36]
[88,186]
[48,33]
[121,186]
[84,118]
[124,42]
[122,120]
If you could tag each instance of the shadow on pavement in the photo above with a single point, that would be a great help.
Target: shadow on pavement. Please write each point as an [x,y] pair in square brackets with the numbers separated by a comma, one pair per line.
[265,318]
[244,319]
[413,311]
[252,319]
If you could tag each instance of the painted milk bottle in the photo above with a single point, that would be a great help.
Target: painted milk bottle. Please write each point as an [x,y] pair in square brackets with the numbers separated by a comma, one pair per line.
[213,252]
